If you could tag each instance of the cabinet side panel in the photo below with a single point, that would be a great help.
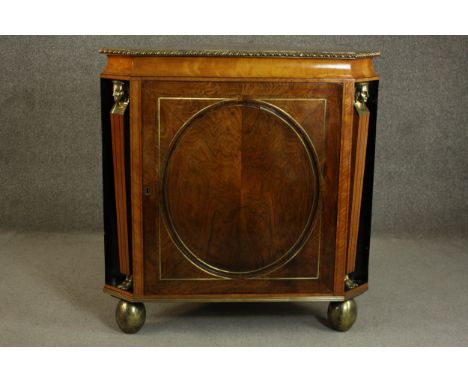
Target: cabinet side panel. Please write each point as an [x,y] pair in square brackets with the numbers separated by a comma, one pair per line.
[113,275]
[128,184]
[363,244]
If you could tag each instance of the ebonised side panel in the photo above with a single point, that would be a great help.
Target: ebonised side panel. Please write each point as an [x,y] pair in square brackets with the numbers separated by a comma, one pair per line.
[112,272]
[363,245]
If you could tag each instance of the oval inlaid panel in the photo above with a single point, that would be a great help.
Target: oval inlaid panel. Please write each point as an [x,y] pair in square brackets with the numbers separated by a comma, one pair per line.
[240,188]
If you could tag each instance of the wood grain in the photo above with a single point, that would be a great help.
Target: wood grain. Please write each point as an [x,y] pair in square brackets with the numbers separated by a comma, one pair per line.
[136,179]
[344,186]
[245,67]
[222,184]
[240,188]
[118,155]
[209,153]
[239,297]
[360,132]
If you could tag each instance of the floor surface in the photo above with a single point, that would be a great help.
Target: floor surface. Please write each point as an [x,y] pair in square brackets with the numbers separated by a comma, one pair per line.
[51,288]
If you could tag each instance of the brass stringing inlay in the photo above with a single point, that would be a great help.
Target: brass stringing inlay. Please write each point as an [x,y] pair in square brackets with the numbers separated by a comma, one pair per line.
[217,276]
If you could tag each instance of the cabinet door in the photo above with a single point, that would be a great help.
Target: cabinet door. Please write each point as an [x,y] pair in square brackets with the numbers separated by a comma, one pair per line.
[242,186]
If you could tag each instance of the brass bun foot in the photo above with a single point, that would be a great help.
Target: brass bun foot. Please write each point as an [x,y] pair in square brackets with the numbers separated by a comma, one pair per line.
[341,315]
[130,316]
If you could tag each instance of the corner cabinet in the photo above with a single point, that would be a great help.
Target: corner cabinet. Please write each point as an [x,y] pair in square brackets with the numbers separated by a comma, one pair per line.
[237,176]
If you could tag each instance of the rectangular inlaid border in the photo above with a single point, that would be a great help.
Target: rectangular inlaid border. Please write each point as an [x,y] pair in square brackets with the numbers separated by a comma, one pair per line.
[214,278]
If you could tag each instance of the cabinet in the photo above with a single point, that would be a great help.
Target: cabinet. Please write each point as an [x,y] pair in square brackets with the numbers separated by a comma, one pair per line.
[237,176]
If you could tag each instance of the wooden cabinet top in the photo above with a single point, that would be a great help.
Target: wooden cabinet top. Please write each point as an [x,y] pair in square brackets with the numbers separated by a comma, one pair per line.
[127,63]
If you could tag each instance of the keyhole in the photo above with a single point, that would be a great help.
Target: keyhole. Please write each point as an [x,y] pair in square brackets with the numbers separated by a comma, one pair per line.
[147,190]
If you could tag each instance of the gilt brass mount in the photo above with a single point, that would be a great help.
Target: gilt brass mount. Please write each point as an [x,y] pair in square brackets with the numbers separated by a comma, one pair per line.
[238,53]
[120,94]
[361,96]
[350,283]
[127,284]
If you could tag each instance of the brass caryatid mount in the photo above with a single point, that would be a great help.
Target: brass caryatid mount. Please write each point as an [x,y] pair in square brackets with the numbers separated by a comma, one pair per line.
[127,284]
[120,94]
[350,283]
[361,96]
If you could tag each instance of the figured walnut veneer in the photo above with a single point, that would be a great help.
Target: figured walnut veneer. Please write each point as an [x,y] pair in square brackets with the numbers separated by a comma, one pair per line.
[245,174]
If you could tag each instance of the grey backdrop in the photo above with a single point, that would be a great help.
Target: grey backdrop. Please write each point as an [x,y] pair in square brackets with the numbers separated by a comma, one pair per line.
[50,172]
